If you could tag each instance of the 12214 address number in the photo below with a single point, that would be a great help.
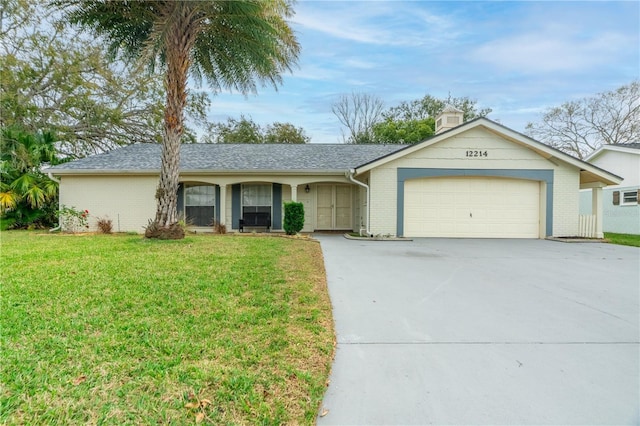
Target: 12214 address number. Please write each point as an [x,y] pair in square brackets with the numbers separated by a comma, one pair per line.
[475,153]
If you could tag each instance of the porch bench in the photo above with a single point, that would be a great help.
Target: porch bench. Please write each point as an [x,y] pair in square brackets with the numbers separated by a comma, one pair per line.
[255,220]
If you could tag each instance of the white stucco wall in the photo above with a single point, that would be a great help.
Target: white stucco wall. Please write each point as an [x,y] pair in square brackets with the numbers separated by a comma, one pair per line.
[129,201]
[451,154]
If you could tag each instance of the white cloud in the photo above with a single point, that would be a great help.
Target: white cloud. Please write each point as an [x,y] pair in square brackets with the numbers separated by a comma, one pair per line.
[547,51]
[375,23]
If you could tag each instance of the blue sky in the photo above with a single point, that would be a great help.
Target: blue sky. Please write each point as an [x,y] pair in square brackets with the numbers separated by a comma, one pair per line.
[517,58]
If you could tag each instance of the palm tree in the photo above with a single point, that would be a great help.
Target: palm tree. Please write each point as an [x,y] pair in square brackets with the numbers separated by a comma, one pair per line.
[232,44]
[27,195]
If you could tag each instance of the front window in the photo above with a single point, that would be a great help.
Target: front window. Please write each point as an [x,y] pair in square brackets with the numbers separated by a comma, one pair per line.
[256,198]
[199,204]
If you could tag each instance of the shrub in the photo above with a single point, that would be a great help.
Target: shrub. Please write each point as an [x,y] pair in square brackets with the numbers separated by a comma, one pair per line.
[24,217]
[72,220]
[104,225]
[219,228]
[293,217]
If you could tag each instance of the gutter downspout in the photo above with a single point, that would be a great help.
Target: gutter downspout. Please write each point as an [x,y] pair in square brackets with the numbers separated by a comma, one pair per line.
[59,227]
[350,173]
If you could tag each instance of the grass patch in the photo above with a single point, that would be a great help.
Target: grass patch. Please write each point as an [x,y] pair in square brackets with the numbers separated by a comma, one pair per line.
[623,239]
[115,329]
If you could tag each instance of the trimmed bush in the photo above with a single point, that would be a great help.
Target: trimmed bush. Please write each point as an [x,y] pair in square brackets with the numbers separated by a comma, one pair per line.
[293,217]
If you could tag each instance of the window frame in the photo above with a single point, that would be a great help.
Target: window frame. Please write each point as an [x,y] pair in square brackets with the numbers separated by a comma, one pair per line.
[186,204]
[256,207]
[623,195]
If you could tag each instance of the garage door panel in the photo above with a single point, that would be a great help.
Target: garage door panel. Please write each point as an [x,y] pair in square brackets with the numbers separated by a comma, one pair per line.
[472,207]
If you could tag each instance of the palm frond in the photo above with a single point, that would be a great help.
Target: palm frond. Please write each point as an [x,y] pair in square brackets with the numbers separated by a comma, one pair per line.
[9,200]
[23,183]
[35,197]
[240,44]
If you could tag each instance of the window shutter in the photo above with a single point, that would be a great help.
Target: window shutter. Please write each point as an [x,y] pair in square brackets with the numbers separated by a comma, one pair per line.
[616,198]
[236,194]
[180,200]
[638,197]
[276,219]
[217,203]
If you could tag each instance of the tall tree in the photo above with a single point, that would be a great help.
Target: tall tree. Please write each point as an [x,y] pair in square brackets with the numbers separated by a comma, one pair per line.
[358,112]
[54,78]
[409,122]
[232,44]
[579,127]
[285,133]
[245,130]
[403,131]
[430,106]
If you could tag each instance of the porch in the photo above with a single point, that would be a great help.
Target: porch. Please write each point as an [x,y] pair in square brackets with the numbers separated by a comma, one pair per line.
[329,204]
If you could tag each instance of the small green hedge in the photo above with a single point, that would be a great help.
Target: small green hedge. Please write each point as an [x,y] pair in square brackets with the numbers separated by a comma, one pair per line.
[293,217]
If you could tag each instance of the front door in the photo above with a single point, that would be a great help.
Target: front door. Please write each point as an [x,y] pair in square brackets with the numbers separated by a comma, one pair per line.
[334,207]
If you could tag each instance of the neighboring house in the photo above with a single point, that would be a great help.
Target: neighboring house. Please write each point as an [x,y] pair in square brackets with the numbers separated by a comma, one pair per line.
[621,212]
[477,179]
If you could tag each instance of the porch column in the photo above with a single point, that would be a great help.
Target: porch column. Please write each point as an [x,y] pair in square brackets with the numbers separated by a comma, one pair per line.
[294,192]
[223,205]
[596,210]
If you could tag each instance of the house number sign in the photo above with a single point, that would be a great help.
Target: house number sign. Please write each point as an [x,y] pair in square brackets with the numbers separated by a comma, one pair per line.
[476,153]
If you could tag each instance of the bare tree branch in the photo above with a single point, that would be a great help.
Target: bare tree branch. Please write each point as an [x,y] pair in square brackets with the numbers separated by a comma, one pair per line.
[580,127]
[358,112]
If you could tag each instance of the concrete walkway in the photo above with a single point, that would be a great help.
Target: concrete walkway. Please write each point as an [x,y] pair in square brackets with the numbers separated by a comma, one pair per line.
[446,331]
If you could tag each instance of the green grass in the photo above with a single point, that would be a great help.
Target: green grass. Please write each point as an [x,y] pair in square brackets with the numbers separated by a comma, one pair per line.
[115,329]
[623,239]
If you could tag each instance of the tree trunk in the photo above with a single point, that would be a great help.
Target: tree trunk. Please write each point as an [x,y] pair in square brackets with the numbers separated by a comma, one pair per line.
[179,40]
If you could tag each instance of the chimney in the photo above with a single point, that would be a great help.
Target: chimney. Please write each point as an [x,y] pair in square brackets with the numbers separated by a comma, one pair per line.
[448,118]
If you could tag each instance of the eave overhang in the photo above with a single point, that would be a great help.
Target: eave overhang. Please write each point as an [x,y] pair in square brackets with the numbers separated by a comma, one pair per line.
[193,172]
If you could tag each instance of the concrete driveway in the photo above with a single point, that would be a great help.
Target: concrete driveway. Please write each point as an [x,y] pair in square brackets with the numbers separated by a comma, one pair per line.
[454,331]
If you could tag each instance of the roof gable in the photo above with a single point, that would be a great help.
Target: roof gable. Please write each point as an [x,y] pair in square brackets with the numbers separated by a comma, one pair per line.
[591,172]
[627,148]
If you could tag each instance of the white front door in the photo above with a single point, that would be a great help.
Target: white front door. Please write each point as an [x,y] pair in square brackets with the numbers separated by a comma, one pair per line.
[334,207]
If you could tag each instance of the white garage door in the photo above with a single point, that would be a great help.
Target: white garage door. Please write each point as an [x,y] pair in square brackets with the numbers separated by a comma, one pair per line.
[471,208]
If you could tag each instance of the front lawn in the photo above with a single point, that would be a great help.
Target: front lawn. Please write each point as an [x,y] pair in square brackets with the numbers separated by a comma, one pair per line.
[114,329]
[623,239]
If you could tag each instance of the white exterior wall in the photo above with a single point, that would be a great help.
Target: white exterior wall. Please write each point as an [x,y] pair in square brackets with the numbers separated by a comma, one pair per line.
[129,201]
[383,193]
[566,202]
[308,200]
[451,154]
[619,219]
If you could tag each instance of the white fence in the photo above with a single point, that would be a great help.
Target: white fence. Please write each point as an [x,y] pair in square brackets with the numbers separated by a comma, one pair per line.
[587,227]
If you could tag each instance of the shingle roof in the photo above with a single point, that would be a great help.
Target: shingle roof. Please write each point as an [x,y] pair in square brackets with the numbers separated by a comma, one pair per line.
[240,157]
